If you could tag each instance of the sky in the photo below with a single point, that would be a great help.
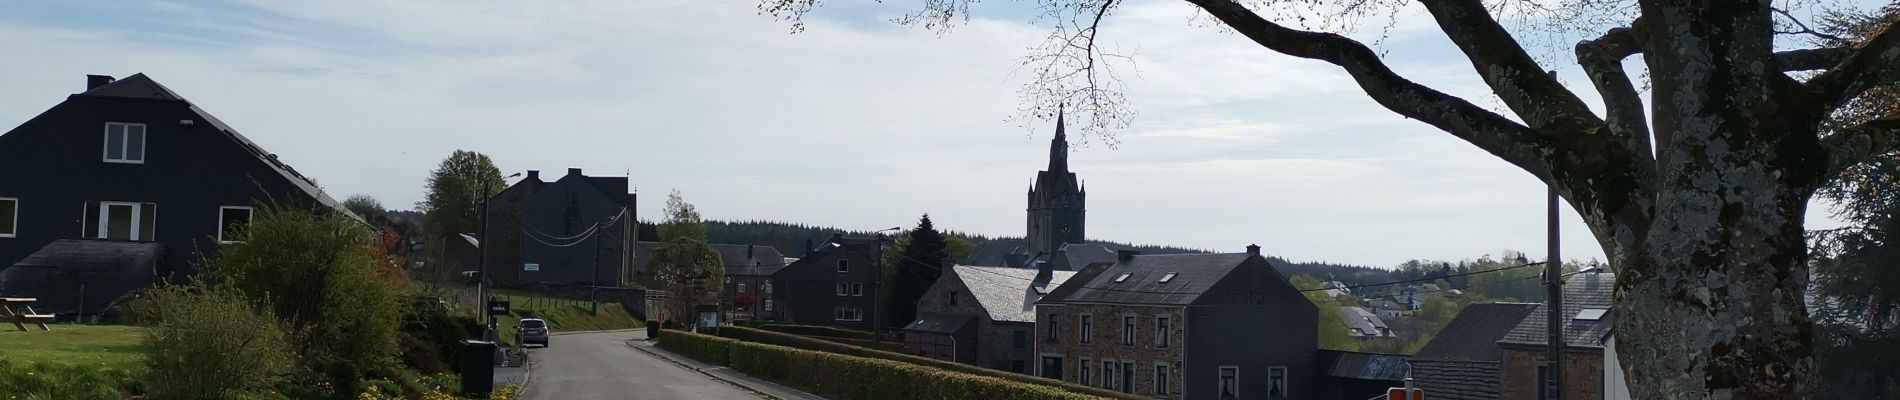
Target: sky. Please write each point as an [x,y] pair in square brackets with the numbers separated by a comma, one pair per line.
[855,122]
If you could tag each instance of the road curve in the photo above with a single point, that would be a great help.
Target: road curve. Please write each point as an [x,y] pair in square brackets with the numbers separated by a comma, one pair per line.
[586,366]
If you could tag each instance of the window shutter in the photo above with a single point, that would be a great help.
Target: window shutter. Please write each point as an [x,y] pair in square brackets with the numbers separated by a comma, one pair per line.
[148,219]
[89,224]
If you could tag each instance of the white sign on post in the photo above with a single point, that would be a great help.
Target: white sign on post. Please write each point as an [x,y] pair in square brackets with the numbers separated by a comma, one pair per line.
[530,267]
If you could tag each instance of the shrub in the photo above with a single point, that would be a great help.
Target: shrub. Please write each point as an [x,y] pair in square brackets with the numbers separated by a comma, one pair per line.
[209,343]
[805,343]
[431,339]
[317,272]
[706,348]
[64,381]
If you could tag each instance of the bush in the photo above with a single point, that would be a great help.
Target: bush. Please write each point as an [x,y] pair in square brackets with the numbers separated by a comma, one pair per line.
[65,381]
[431,339]
[805,343]
[706,348]
[815,330]
[838,376]
[209,343]
[317,272]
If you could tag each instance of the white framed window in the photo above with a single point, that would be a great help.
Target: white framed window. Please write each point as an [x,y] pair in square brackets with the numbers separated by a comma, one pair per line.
[1088,328]
[1161,378]
[857,289]
[1276,383]
[1108,374]
[125,143]
[1055,323]
[115,220]
[741,288]
[848,313]
[1161,331]
[1082,373]
[9,217]
[1229,382]
[230,220]
[844,266]
[844,289]
[768,304]
[1128,330]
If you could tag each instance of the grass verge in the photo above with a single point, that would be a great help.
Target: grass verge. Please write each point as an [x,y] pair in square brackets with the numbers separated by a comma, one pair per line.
[564,314]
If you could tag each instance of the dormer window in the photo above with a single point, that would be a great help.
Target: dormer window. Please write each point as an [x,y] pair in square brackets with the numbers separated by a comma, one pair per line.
[1124,276]
[125,143]
[1166,278]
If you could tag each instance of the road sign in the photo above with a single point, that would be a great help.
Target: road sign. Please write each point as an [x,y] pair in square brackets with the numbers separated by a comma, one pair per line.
[497,307]
[1399,393]
[530,267]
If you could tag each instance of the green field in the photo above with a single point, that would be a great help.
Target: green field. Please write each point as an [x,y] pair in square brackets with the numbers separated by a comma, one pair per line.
[566,315]
[108,346]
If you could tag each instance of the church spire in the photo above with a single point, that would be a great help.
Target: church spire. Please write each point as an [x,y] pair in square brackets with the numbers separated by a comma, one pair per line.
[1059,147]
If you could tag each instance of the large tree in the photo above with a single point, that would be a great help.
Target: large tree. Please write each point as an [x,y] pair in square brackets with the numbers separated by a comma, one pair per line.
[918,265]
[690,270]
[1698,198]
[456,190]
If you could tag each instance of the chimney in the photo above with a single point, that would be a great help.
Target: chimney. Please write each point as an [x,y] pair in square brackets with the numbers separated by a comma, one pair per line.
[808,247]
[1125,255]
[748,251]
[1253,250]
[1045,271]
[574,171]
[534,175]
[95,81]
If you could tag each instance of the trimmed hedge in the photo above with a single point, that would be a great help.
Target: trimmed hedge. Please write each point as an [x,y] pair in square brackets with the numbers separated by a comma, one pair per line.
[842,377]
[805,343]
[706,348]
[815,330]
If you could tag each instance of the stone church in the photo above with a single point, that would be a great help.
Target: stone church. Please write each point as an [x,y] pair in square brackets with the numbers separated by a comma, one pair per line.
[1055,217]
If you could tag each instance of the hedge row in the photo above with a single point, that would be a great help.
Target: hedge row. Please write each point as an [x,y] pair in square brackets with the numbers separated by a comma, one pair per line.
[815,330]
[805,343]
[706,348]
[842,377]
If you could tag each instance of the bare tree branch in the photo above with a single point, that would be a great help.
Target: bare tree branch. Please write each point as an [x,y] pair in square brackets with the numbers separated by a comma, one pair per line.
[1811,59]
[1803,28]
[1524,86]
[1515,143]
[1874,63]
[1602,60]
[1855,144]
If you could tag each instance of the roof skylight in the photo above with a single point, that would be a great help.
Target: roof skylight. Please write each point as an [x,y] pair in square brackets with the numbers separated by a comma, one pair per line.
[1591,314]
[1124,276]
[1168,277]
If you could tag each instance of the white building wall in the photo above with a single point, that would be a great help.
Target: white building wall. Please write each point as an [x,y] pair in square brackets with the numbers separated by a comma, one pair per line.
[1615,386]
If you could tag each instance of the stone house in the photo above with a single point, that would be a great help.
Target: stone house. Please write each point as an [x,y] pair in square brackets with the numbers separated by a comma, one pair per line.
[983,316]
[835,284]
[1585,314]
[1182,326]
[1462,361]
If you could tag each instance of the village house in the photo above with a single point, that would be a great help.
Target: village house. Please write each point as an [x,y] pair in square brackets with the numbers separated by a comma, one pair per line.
[748,283]
[126,183]
[1586,321]
[1462,361]
[576,230]
[1361,323]
[834,284]
[1182,326]
[983,316]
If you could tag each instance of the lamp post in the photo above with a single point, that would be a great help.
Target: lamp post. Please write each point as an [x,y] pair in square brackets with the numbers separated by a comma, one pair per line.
[481,264]
[1554,302]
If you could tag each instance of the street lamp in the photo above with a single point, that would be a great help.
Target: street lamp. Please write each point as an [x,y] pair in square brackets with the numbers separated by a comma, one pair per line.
[481,264]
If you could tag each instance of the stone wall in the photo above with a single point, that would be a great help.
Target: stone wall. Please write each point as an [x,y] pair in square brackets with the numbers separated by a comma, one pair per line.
[1583,374]
[1105,344]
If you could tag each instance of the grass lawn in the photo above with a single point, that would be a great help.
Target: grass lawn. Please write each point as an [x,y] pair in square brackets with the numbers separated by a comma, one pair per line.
[110,346]
[566,315]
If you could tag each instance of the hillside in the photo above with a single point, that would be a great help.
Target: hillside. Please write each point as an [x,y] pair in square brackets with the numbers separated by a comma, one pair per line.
[790,238]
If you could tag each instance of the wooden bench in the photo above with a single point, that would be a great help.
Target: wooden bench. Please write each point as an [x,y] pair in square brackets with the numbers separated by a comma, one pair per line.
[19,310]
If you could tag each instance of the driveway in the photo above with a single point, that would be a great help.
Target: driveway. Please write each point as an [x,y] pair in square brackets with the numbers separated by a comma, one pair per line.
[601,366]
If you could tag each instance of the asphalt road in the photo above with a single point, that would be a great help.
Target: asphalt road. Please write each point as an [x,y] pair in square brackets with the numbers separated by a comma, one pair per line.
[601,366]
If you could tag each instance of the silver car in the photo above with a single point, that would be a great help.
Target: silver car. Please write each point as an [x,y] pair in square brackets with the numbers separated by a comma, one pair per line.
[532,330]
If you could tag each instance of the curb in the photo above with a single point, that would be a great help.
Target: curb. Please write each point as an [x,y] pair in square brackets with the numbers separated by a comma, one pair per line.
[701,371]
[605,331]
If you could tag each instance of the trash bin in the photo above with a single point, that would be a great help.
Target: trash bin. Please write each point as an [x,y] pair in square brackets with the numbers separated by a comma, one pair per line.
[478,368]
[653,330]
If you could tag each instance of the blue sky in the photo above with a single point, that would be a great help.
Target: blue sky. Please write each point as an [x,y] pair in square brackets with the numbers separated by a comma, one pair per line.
[856,122]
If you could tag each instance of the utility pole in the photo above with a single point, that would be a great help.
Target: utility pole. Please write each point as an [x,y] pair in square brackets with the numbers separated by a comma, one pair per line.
[593,287]
[877,301]
[481,264]
[1554,302]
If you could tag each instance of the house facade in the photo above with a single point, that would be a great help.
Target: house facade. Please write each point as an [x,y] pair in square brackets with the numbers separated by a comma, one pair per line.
[131,161]
[1586,320]
[577,229]
[1182,326]
[835,284]
[983,316]
[1463,361]
[749,271]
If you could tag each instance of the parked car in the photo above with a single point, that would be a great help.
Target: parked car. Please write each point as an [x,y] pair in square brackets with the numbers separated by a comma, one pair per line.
[533,330]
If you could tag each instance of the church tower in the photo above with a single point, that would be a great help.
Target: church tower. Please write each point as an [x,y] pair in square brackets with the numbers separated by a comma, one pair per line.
[1056,200]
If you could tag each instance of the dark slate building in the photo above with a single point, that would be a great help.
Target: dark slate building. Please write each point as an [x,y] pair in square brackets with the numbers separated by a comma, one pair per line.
[749,269]
[834,284]
[1462,360]
[1587,297]
[1193,326]
[578,229]
[129,161]
[1057,201]
[983,316]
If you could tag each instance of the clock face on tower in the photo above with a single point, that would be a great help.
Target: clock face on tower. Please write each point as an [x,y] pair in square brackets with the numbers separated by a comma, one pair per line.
[1067,229]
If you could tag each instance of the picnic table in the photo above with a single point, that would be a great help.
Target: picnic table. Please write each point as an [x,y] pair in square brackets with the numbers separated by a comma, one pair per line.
[19,310]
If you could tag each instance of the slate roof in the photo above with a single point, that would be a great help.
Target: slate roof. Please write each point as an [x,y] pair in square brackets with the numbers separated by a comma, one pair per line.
[140,86]
[1457,380]
[1194,275]
[769,260]
[109,269]
[1080,255]
[1366,366]
[1585,290]
[993,253]
[1472,335]
[939,323]
[1365,321]
[1006,293]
